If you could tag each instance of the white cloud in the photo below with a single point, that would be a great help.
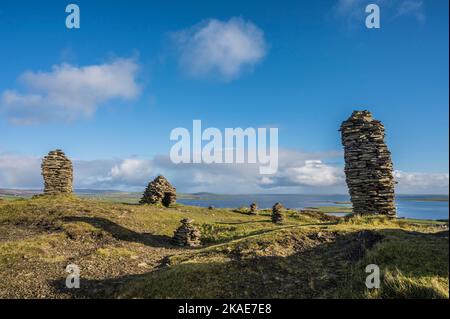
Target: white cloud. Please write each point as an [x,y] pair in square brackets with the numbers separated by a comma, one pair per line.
[422,183]
[18,171]
[298,173]
[306,172]
[68,92]
[220,48]
[314,173]
[129,173]
[132,171]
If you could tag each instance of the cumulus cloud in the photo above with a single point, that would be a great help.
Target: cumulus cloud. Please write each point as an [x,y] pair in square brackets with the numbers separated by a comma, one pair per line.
[422,183]
[129,173]
[18,171]
[132,171]
[69,92]
[312,173]
[298,173]
[223,48]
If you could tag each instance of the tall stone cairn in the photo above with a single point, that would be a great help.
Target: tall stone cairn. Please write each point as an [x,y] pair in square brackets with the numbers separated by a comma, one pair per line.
[57,171]
[159,191]
[277,216]
[187,234]
[253,208]
[368,165]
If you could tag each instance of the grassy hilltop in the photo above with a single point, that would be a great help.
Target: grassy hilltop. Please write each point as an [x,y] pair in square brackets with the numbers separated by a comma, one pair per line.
[124,250]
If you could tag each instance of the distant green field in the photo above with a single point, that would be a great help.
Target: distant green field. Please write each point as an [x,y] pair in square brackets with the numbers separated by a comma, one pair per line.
[333,209]
[428,199]
[425,221]
[123,197]
[9,197]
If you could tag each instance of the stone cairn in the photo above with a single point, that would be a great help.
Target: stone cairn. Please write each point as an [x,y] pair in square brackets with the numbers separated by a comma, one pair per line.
[58,173]
[159,191]
[368,165]
[277,217]
[187,234]
[253,208]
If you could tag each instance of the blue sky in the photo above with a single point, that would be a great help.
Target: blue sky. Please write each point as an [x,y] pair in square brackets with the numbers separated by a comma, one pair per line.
[305,67]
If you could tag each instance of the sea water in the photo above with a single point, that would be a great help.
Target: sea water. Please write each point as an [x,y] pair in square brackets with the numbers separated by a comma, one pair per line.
[408,206]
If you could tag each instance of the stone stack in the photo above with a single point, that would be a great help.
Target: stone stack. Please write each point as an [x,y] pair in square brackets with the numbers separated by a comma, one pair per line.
[368,165]
[187,234]
[159,191]
[253,208]
[57,171]
[277,216]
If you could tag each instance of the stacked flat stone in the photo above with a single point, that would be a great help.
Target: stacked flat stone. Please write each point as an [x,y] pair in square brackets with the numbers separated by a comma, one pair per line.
[57,171]
[187,234]
[159,191]
[368,165]
[277,216]
[253,208]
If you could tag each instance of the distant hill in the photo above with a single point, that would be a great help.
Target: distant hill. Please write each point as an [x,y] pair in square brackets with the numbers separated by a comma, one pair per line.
[19,192]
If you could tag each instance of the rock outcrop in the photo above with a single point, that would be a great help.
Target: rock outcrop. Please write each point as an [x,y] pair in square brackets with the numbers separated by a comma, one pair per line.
[368,165]
[57,171]
[187,234]
[277,216]
[159,191]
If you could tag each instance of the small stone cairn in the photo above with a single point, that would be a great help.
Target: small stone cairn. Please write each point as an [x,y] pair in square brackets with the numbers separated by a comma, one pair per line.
[368,165]
[277,216]
[187,234]
[159,191]
[253,208]
[57,171]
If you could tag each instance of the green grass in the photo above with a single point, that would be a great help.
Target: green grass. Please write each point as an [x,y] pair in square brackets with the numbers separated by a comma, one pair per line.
[413,265]
[334,209]
[124,250]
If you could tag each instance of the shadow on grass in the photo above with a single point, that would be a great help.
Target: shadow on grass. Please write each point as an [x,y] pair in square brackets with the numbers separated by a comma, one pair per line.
[121,233]
[331,265]
[316,270]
